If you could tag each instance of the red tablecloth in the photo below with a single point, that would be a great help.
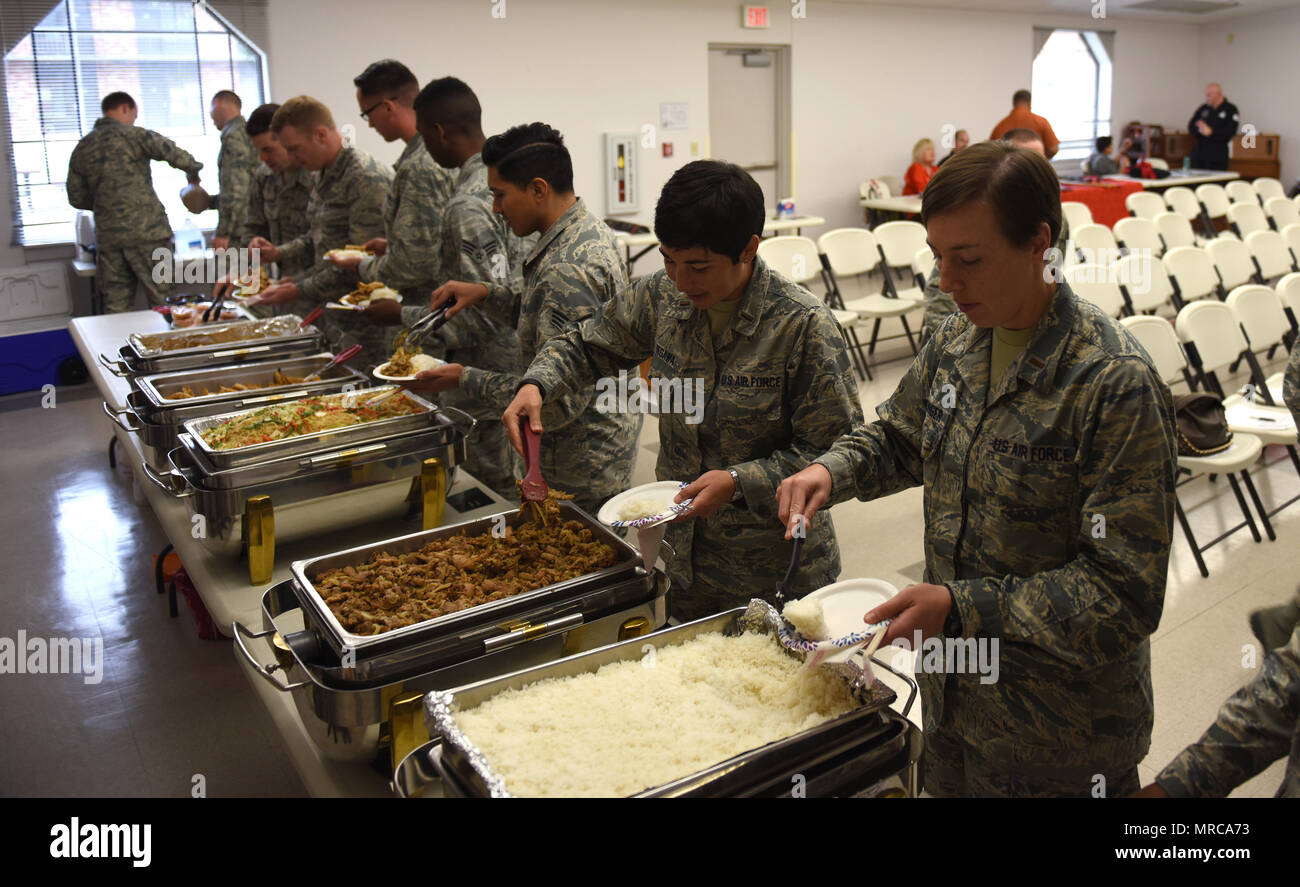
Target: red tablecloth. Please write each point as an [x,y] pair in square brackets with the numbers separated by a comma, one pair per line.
[1106,201]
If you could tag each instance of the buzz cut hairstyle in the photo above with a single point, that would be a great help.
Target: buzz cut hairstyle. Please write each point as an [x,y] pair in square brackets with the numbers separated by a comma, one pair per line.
[116,100]
[1021,135]
[388,79]
[1021,95]
[304,114]
[713,204]
[227,95]
[1019,184]
[531,151]
[259,121]
[450,103]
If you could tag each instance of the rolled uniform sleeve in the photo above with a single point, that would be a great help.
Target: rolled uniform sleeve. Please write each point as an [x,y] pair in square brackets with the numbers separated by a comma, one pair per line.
[159,147]
[1106,600]
[1256,727]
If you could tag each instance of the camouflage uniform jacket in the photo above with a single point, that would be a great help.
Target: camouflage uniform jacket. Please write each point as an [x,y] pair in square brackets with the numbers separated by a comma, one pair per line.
[236,163]
[109,174]
[1291,383]
[277,209]
[574,270]
[413,225]
[777,391]
[346,206]
[1258,725]
[1048,515]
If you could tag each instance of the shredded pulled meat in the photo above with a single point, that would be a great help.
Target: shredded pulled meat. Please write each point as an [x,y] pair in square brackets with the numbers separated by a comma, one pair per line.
[458,572]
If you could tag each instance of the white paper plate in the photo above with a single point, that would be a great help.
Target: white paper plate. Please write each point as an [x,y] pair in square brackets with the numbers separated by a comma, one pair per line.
[347,253]
[665,489]
[387,378]
[843,606]
[344,306]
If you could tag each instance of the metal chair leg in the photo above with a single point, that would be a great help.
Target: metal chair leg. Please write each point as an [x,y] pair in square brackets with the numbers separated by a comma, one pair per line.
[1191,539]
[112,451]
[1241,503]
[1259,506]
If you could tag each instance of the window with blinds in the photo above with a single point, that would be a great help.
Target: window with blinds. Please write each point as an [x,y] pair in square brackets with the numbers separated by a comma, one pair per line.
[62,58]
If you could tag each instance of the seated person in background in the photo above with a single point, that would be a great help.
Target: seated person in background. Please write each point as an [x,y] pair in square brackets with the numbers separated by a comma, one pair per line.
[960,140]
[1103,162]
[918,174]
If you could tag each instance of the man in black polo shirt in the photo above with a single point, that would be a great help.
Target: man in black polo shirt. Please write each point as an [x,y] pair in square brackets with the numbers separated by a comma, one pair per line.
[1213,125]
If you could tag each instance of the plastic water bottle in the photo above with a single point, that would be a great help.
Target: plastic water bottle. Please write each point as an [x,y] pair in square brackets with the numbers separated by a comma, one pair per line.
[189,240]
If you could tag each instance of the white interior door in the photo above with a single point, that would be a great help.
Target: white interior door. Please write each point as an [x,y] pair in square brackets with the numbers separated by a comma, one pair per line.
[745,116]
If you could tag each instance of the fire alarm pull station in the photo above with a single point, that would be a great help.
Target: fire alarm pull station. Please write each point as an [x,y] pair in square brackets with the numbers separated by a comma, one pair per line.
[621,175]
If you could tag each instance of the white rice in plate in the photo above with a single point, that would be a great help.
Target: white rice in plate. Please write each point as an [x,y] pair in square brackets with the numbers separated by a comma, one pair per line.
[808,618]
[637,724]
[643,507]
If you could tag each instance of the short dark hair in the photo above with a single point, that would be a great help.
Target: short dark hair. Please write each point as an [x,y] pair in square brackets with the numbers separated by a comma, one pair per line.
[388,78]
[451,103]
[260,120]
[1020,135]
[1019,184]
[227,95]
[713,204]
[1021,95]
[1103,142]
[531,151]
[116,100]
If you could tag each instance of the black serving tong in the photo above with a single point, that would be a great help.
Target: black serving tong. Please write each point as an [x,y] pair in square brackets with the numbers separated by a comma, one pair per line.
[425,325]
[783,586]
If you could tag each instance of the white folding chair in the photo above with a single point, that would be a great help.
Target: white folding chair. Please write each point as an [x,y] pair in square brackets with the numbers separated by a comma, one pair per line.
[1241,192]
[1272,258]
[1193,273]
[1175,230]
[1139,233]
[1144,204]
[1095,243]
[1158,163]
[1158,339]
[1094,283]
[1282,212]
[1291,234]
[880,189]
[1233,262]
[1143,282]
[1214,341]
[1262,317]
[1288,290]
[1214,206]
[1267,187]
[1247,217]
[1183,201]
[1076,213]
[899,243]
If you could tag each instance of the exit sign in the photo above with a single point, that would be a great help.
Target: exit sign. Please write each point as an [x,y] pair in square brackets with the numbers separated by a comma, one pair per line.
[753,16]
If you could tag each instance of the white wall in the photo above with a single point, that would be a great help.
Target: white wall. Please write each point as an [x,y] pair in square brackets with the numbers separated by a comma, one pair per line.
[1259,74]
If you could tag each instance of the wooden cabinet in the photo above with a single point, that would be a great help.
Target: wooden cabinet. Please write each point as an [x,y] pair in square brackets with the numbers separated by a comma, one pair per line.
[1259,159]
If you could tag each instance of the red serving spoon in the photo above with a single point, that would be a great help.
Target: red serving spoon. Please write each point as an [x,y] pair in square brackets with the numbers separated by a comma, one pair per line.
[533,487]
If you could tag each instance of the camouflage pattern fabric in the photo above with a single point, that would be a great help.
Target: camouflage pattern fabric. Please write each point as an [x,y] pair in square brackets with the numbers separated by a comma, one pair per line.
[574,270]
[119,268]
[776,390]
[1256,727]
[236,162]
[109,174]
[346,206]
[277,210]
[1048,515]
[1291,383]
[413,225]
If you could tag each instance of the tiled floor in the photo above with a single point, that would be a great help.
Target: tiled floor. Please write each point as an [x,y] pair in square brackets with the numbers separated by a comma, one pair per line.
[77,553]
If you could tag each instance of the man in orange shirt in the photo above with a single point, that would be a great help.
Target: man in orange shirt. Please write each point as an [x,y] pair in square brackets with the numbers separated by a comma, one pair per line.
[1022,118]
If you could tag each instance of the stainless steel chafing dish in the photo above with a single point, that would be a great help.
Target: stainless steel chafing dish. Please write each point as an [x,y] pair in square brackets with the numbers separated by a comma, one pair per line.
[158,420]
[252,454]
[246,508]
[290,339]
[848,754]
[356,698]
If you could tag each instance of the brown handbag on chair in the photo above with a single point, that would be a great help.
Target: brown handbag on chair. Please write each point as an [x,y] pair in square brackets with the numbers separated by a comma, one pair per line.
[1202,424]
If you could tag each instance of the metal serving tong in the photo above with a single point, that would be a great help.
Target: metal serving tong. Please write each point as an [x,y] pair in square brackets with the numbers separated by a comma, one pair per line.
[533,488]
[425,325]
[346,354]
[783,585]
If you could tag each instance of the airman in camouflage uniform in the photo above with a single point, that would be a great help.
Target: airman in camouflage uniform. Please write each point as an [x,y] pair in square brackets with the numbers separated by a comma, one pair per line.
[236,165]
[777,390]
[574,270]
[346,206]
[277,210]
[109,174]
[413,225]
[477,248]
[1048,516]
[1258,725]
[938,304]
